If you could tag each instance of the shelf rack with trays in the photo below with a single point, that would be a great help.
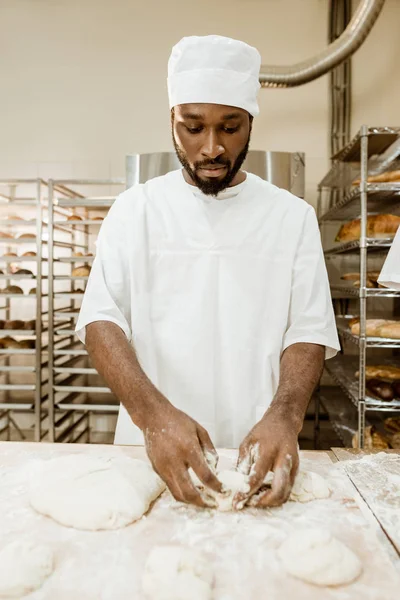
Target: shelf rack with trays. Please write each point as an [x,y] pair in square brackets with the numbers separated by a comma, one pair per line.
[73,395]
[372,151]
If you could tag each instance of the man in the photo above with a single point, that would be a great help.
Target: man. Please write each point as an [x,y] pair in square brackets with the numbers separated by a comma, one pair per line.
[208,311]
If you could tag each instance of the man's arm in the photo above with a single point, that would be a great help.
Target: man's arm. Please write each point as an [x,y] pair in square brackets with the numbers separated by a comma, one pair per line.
[174,441]
[272,443]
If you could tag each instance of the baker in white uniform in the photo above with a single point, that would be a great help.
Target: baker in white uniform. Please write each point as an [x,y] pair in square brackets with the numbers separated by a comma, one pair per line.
[390,274]
[208,311]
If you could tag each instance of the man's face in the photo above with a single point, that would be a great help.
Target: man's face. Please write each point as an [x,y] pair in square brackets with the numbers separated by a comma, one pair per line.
[211,142]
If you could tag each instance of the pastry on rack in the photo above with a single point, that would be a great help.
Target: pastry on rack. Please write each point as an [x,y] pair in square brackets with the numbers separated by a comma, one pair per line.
[30,253]
[81,271]
[373,439]
[392,424]
[9,342]
[32,291]
[30,325]
[378,226]
[5,234]
[14,218]
[372,279]
[14,324]
[23,272]
[380,389]
[386,177]
[12,289]
[390,373]
[97,218]
[74,218]
[10,254]
[382,328]
[26,236]
[27,344]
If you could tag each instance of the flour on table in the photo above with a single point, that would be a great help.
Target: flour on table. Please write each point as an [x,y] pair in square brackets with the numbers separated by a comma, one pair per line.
[24,566]
[86,492]
[233,482]
[315,556]
[177,573]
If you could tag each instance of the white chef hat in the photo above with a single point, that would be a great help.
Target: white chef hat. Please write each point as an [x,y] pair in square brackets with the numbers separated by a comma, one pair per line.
[215,70]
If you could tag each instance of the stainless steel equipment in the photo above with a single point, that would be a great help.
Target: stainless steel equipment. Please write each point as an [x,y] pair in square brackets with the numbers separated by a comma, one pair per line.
[283,169]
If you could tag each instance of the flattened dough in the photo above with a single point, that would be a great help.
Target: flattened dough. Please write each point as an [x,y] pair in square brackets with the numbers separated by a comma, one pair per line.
[24,566]
[86,492]
[315,556]
[177,573]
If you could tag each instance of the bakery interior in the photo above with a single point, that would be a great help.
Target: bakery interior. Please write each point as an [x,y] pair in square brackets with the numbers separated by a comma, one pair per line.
[86,117]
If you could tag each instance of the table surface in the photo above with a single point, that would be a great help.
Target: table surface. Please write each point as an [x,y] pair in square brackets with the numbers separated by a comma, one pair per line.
[108,565]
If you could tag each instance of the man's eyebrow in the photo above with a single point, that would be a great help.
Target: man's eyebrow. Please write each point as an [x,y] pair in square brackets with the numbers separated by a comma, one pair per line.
[200,117]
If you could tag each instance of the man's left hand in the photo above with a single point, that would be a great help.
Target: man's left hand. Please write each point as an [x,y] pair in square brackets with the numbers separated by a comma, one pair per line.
[270,446]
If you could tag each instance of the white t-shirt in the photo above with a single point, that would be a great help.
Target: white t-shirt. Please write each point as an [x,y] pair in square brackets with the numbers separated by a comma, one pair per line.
[211,291]
[390,274]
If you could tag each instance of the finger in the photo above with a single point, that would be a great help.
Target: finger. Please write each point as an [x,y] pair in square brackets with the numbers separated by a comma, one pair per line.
[207,447]
[281,485]
[203,471]
[189,493]
[259,471]
[243,464]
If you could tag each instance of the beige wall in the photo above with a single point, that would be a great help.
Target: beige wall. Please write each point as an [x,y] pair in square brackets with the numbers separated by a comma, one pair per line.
[83,81]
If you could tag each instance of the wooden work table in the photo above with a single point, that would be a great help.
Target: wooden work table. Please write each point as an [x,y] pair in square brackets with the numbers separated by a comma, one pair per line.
[108,565]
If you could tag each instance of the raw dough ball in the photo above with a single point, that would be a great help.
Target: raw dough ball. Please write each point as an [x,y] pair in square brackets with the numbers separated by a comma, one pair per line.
[177,573]
[24,566]
[315,556]
[87,492]
[309,486]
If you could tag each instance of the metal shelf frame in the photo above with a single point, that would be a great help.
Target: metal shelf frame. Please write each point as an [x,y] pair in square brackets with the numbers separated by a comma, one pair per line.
[367,149]
[12,196]
[71,398]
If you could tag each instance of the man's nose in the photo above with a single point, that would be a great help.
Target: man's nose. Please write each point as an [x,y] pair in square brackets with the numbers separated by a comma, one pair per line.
[212,147]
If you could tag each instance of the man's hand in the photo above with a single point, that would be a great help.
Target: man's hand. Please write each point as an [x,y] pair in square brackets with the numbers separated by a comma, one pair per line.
[174,443]
[270,446]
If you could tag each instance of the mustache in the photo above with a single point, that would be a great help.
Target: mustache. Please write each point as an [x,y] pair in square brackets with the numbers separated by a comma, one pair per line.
[212,163]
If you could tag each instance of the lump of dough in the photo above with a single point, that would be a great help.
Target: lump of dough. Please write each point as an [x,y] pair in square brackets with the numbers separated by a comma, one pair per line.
[86,492]
[233,482]
[24,566]
[177,573]
[315,556]
[309,486]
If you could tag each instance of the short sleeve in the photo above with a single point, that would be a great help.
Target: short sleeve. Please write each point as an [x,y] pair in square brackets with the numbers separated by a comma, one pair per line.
[107,295]
[311,316]
[390,274]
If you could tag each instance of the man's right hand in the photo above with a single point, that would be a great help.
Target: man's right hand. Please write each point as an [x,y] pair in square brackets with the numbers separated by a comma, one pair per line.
[174,443]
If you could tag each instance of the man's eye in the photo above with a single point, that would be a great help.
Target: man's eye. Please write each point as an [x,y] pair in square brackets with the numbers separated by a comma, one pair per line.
[194,129]
[231,129]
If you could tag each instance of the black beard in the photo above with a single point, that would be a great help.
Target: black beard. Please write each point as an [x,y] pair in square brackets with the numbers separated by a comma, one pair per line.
[213,186]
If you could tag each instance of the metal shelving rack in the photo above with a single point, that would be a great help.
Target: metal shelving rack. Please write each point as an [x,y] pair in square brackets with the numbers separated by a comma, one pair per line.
[372,151]
[75,389]
[22,195]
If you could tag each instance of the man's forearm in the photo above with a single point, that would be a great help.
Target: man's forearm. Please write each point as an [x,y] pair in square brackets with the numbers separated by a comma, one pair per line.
[300,371]
[116,361]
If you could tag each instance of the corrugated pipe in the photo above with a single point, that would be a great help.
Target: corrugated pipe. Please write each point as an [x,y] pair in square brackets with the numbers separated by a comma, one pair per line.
[351,39]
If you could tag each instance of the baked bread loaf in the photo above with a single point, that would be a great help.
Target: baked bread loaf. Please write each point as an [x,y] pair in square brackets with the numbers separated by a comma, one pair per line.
[74,218]
[28,344]
[13,289]
[30,325]
[378,226]
[81,271]
[32,291]
[392,424]
[27,235]
[381,372]
[14,324]
[381,389]
[10,254]
[29,254]
[386,177]
[394,441]
[23,272]
[14,218]
[373,439]
[372,278]
[4,234]
[77,254]
[97,218]
[9,342]
[382,328]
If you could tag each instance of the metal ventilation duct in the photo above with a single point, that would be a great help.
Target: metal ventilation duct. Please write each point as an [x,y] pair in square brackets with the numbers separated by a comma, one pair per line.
[351,39]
